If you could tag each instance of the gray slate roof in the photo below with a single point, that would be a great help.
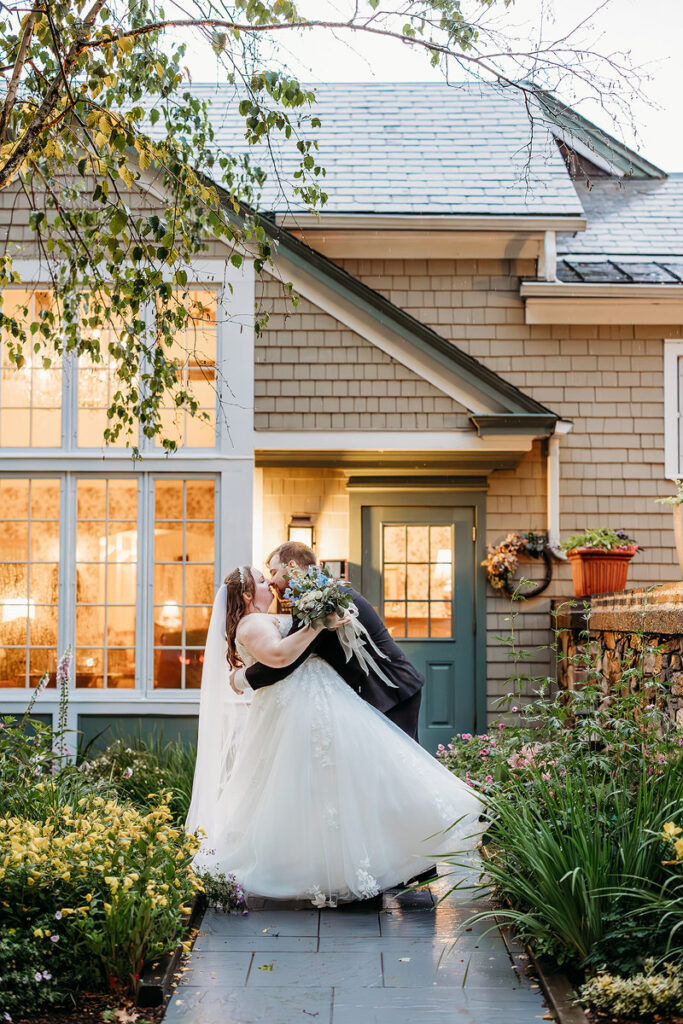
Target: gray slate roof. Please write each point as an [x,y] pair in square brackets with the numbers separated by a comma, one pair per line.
[426,148]
[629,218]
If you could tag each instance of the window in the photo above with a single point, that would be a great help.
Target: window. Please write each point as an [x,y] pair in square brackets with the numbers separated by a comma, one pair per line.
[30,397]
[29,579]
[417,570]
[673,409]
[106,583]
[195,352]
[97,385]
[184,555]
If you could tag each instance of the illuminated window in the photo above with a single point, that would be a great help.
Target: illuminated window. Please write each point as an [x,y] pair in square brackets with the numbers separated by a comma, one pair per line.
[29,578]
[184,554]
[195,352]
[30,397]
[106,583]
[97,385]
[417,571]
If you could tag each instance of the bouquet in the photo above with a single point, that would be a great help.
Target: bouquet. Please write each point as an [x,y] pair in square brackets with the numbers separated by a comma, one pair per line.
[316,596]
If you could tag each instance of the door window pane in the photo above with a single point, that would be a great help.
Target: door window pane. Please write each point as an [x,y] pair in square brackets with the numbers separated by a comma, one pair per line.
[106,583]
[29,579]
[30,396]
[194,353]
[184,557]
[417,576]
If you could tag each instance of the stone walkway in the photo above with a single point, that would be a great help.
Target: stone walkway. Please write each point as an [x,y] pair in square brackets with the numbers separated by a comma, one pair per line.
[385,961]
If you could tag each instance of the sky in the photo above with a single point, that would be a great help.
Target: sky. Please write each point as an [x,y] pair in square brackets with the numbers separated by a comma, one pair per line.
[650,32]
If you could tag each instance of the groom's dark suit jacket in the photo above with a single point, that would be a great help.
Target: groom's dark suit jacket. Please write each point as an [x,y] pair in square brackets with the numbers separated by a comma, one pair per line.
[370,687]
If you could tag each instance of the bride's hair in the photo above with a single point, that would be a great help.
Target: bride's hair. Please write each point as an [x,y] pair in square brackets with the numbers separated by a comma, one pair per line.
[238,583]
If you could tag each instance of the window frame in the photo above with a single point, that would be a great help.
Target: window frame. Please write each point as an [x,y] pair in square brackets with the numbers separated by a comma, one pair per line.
[673,446]
[66,608]
[210,277]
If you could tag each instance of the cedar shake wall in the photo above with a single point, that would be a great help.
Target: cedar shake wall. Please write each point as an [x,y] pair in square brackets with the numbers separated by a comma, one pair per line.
[313,373]
[608,380]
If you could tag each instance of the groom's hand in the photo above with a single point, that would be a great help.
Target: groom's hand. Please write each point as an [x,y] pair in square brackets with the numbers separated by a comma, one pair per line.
[235,678]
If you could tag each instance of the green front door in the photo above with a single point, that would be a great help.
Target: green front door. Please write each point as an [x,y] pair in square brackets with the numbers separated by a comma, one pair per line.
[418,571]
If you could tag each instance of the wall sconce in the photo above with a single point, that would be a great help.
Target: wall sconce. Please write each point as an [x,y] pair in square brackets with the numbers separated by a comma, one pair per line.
[301,529]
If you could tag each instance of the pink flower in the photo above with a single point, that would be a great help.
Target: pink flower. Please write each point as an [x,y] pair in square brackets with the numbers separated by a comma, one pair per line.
[440,747]
[489,778]
[64,667]
[545,776]
[501,725]
[514,708]
[467,736]
[484,738]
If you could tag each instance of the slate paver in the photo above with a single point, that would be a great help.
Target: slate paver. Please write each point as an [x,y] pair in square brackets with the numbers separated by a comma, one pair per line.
[392,960]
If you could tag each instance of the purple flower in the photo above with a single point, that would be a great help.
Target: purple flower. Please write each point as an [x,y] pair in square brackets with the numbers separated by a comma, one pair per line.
[47,976]
[38,976]
[58,915]
[64,667]
[128,772]
[54,938]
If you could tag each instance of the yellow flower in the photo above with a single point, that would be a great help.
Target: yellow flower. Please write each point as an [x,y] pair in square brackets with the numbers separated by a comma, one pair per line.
[678,847]
[671,830]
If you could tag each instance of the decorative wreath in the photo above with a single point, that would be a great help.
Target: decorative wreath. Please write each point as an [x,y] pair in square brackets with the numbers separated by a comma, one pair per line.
[502,560]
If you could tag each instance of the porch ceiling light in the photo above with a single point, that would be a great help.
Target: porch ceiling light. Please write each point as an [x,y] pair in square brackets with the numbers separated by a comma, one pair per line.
[301,529]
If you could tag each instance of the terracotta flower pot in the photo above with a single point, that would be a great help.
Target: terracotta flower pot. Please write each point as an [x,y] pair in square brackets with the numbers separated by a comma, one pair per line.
[595,571]
[678,532]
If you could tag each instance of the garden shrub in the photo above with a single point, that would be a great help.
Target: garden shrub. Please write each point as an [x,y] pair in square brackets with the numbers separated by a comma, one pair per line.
[649,993]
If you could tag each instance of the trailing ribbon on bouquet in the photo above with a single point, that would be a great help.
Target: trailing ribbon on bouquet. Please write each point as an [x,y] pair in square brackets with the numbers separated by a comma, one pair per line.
[353,637]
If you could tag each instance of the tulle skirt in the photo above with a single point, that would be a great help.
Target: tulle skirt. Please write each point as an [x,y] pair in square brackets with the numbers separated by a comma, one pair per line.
[329,800]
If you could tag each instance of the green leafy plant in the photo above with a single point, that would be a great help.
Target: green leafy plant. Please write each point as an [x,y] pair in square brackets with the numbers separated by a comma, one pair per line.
[673,499]
[602,539]
[648,994]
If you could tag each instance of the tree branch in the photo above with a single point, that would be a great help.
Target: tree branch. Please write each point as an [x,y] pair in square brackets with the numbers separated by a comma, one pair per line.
[18,68]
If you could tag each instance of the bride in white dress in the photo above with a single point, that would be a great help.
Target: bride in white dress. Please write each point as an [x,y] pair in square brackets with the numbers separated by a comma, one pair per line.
[302,788]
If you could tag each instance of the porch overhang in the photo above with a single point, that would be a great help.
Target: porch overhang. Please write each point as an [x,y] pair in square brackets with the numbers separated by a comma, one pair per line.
[539,425]
[602,304]
[455,453]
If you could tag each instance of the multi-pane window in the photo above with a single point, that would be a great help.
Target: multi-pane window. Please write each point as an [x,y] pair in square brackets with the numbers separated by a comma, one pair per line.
[97,385]
[30,396]
[106,583]
[417,571]
[29,579]
[184,557]
[194,349]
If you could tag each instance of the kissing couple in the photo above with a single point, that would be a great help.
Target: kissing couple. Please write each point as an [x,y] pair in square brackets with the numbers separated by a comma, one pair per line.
[309,781]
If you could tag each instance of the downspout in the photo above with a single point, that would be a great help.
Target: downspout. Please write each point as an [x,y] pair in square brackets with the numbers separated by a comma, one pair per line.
[553,478]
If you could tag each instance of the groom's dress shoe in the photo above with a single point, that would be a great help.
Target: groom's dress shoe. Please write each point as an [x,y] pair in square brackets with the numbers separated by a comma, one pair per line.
[424,876]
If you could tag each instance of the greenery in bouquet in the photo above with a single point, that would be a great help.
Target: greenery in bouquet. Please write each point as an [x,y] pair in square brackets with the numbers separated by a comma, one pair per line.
[315,594]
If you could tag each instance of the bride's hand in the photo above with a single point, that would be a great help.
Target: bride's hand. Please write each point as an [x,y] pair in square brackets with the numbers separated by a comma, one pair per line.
[234,677]
[339,621]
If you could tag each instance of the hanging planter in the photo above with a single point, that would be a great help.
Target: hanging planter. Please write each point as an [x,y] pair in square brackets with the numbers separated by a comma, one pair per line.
[502,560]
[599,561]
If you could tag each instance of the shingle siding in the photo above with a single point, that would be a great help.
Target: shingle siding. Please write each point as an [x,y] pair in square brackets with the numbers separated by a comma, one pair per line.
[313,373]
[608,380]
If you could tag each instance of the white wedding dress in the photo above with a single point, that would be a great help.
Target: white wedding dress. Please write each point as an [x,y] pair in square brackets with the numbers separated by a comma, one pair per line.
[328,799]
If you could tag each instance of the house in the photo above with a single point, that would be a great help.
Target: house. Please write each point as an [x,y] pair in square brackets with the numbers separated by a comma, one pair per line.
[487,339]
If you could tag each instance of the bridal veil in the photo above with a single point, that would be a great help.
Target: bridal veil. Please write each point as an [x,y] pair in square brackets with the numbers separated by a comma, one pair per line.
[222,716]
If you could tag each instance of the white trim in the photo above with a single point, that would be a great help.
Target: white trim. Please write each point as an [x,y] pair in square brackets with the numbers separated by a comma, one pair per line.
[384,338]
[673,351]
[573,142]
[23,460]
[561,290]
[553,497]
[549,256]
[379,441]
[442,222]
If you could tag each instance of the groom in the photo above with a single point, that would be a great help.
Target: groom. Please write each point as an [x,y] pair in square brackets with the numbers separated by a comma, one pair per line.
[400,704]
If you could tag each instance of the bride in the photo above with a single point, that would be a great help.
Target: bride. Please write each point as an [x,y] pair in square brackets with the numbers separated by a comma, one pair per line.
[302,788]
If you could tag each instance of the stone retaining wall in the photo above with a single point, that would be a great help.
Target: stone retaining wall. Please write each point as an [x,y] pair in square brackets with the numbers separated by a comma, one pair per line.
[640,628]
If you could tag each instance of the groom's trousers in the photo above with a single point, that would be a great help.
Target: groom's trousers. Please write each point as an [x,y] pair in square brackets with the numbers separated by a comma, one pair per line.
[405,714]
